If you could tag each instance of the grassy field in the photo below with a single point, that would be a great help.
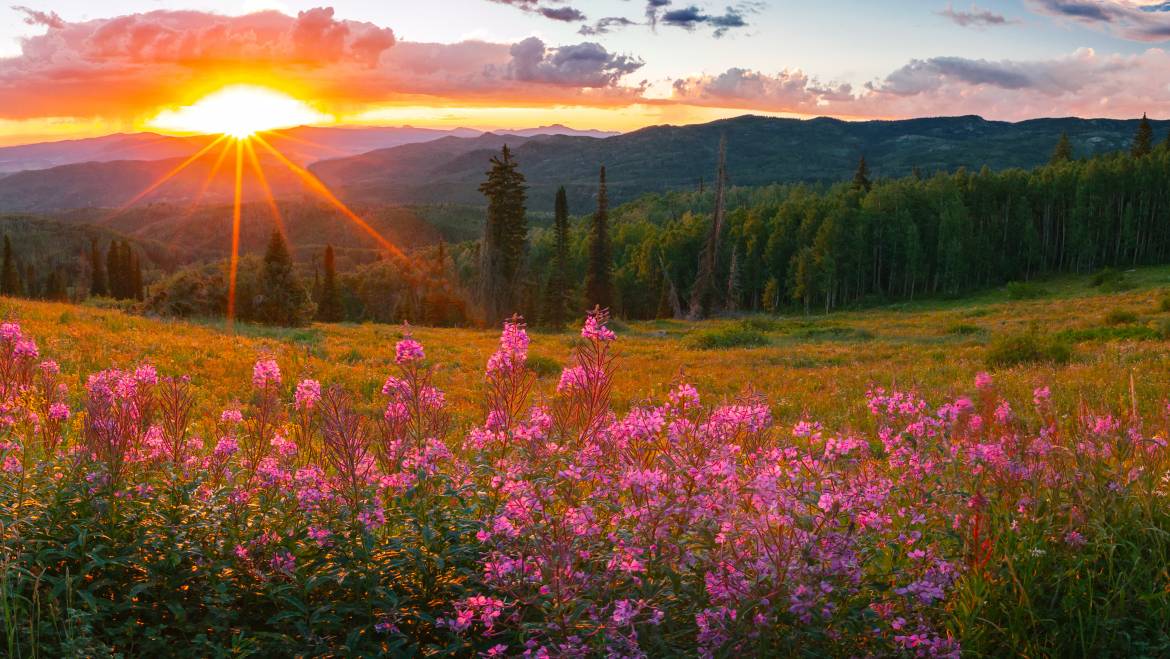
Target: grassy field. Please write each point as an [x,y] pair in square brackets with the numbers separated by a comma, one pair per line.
[883,497]
[820,366]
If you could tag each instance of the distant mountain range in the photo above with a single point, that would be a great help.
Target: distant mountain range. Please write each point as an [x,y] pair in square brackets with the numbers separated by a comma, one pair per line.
[416,166]
[305,144]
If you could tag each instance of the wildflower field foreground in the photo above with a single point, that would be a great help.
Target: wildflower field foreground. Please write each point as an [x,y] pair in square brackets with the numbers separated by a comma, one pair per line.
[984,478]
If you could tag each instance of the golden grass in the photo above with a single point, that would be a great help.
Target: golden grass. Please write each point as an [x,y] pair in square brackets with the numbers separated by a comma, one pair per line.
[820,366]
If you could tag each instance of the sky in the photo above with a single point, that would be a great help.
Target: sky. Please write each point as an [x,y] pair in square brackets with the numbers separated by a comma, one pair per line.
[73,68]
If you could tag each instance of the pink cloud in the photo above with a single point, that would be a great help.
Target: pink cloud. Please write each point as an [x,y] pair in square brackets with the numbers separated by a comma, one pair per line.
[130,65]
[1084,83]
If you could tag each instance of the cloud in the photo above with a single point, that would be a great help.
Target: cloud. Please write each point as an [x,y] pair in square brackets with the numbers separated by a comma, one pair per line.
[606,25]
[566,14]
[583,65]
[1083,83]
[33,17]
[129,66]
[690,17]
[977,18]
[652,9]
[1130,19]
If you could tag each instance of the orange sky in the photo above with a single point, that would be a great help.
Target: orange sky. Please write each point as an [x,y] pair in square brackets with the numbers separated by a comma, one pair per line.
[88,76]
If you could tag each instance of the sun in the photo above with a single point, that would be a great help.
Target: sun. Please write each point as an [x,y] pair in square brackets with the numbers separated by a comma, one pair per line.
[240,111]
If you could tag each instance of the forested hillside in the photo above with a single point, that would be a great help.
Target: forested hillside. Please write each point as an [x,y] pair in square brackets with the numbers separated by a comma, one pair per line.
[762,150]
[822,248]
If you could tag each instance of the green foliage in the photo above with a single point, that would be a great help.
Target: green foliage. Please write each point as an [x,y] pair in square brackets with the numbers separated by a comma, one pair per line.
[1026,290]
[1063,151]
[505,238]
[1030,347]
[1120,317]
[599,279]
[9,274]
[738,335]
[965,329]
[329,306]
[557,290]
[281,298]
[1143,140]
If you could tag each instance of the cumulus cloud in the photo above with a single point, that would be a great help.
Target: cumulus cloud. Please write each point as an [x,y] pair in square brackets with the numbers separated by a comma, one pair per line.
[1084,83]
[583,65]
[128,66]
[1129,19]
[976,17]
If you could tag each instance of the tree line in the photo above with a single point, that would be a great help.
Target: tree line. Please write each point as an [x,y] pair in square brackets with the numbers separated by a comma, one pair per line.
[807,247]
[725,249]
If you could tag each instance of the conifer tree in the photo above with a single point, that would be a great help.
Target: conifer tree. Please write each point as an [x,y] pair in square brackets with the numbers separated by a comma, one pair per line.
[505,238]
[56,288]
[10,275]
[30,285]
[705,289]
[1143,141]
[557,293]
[114,271]
[1063,151]
[283,300]
[861,177]
[599,278]
[734,281]
[98,282]
[329,305]
[136,290]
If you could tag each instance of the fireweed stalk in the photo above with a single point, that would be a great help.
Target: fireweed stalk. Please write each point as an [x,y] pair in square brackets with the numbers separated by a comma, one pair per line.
[556,527]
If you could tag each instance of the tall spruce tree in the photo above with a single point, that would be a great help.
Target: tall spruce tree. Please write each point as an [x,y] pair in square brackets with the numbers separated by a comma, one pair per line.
[10,275]
[136,288]
[1143,141]
[114,270]
[98,282]
[861,177]
[1063,151]
[505,238]
[557,292]
[599,277]
[705,292]
[283,300]
[329,304]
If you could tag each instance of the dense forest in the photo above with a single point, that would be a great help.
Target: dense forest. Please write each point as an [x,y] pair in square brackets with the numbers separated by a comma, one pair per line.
[815,247]
[712,250]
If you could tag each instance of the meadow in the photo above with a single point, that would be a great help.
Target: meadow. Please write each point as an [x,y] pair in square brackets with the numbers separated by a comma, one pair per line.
[981,476]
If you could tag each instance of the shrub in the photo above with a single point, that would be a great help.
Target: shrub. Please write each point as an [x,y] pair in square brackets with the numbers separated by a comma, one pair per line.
[1164,302]
[833,333]
[1026,290]
[1120,317]
[739,335]
[1030,347]
[965,329]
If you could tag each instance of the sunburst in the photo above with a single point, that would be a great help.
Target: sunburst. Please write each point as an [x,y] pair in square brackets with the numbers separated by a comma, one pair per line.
[241,113]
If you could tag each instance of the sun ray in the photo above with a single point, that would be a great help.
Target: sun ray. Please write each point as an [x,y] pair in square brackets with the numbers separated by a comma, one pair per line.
[268,197]
[168,176]
[300,140]
[234,264]
[320,188]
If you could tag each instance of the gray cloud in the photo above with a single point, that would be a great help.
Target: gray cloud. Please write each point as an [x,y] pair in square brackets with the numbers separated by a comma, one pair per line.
[690,17]
[582,65]
[562,13]
[976,17]
[1133,20]
[606,25]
